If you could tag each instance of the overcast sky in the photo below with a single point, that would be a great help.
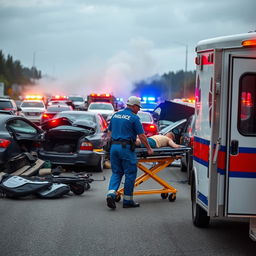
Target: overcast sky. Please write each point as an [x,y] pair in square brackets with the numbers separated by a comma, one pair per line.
[105,45]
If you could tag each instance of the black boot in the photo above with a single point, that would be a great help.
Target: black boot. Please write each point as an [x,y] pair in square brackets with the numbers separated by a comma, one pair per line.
[111,202]
[131,205]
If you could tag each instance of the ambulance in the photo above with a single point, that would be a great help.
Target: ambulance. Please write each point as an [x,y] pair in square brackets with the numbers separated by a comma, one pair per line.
[224,163]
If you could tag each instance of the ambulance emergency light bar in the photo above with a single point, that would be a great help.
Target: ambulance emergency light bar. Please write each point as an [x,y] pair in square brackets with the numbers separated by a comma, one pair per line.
[100,95]
[33,97]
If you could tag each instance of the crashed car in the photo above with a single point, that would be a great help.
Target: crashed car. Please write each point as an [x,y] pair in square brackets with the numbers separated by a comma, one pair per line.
[169,112]
[65,141]
[17,137]
[75,139]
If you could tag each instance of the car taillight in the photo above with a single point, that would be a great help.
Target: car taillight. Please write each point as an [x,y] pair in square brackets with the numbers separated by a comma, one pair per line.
[86,146]
[54,123]
[37,145]
[4,143]
[45,116]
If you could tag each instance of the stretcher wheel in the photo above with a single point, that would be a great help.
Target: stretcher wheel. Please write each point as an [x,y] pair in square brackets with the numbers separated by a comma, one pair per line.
[172,197]
[77,189]
[118,198]
[164,195]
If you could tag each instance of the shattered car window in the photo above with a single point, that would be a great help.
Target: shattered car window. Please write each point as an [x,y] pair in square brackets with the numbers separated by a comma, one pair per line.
[21,126]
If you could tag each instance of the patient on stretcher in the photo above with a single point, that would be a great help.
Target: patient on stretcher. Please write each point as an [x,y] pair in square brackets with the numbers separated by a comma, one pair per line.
[158,141]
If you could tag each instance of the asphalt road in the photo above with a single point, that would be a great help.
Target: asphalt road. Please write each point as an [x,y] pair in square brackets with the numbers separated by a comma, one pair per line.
[83,225]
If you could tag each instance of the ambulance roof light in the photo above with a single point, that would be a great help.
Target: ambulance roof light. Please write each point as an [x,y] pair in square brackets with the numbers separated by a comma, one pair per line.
[250,42]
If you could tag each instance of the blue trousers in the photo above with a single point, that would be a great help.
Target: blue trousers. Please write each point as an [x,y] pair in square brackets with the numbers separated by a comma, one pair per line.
[123,162]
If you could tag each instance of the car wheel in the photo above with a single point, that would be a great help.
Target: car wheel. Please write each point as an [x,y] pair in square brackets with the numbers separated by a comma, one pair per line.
[199,215]
[100,166]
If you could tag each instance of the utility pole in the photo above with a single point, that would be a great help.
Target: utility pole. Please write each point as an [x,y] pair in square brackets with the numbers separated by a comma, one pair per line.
[186,67]
[185,72]
[33,66]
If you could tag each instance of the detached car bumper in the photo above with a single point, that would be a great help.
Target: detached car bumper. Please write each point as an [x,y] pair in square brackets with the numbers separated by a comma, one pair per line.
[82,158]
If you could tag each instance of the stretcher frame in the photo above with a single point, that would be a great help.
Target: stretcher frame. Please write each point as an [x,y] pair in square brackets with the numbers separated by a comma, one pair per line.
[161,158]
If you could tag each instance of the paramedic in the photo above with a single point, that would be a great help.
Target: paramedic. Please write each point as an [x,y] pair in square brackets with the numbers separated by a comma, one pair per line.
[124,127]
[158,141]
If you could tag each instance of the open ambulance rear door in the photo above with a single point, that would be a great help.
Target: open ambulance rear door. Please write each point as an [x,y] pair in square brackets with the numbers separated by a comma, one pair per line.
[241,139]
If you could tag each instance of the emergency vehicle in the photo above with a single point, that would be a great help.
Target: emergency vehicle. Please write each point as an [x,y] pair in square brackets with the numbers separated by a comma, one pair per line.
[224,164]
[102,97]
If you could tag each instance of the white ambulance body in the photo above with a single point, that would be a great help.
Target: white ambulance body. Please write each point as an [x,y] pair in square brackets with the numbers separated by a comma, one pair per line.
[224,165]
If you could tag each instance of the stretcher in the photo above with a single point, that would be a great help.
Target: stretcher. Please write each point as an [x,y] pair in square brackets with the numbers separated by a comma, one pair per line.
[161,158]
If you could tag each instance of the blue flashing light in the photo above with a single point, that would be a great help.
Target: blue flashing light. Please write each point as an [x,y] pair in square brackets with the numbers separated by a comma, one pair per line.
[151,99]
[148,99]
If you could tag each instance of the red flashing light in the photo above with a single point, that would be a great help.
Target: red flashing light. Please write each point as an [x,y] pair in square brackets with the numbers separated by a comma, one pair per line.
[103,95]
[150,129]
[4,143]
[59,97]
[246,99]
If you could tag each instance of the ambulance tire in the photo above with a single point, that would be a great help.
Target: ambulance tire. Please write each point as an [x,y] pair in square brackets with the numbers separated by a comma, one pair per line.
[199,215]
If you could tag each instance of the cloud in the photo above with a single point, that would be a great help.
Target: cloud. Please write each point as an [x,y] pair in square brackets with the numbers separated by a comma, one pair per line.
[96,43]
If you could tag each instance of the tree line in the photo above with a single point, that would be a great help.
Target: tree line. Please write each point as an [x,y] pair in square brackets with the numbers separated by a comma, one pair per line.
[13,72]
[168,86]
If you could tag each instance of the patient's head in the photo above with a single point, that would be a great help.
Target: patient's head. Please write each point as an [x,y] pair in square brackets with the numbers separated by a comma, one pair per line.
[170,135]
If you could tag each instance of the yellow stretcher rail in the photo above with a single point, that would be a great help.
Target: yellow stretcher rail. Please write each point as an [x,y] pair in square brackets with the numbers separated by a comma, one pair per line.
[162,158]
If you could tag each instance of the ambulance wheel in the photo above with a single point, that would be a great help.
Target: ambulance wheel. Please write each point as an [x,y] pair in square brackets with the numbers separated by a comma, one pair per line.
[172,197]
[118,198]
[77,189]
[199,215]
[164,195]
[87,186]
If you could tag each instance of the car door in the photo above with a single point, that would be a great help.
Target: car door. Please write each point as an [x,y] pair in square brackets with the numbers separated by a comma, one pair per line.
[26,135]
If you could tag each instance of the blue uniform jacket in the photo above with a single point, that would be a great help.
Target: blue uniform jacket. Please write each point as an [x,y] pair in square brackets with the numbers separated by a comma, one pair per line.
[125,125]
